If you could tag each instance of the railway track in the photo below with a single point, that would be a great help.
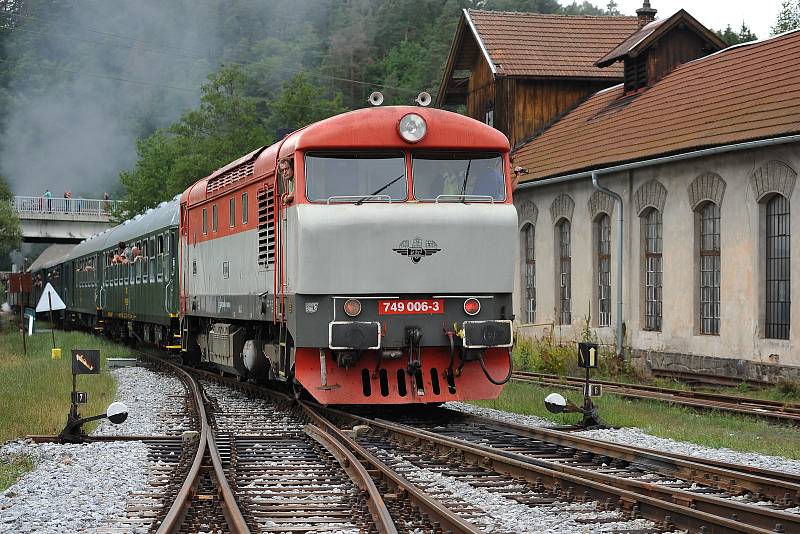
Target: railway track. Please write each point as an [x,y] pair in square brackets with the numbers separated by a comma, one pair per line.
[264,462]
[784,412]
[673,492]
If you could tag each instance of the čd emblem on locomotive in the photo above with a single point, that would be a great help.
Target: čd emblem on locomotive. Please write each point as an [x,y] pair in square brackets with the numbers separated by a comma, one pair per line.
[415,250]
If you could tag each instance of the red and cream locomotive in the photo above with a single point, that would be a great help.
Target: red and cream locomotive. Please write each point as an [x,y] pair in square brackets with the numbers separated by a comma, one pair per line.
[367,258]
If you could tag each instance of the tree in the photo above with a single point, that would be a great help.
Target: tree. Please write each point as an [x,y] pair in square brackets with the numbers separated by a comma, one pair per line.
[226,126]
[788,17]
[732,38]
[300,104]
[10,229]
[612,9]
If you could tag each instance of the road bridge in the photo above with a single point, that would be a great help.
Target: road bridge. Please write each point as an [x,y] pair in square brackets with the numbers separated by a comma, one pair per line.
[63,220]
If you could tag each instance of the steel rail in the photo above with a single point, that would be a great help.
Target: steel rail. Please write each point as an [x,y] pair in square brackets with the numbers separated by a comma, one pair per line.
[708,379]
[732,477]
[435,510]
[177,512]
[360,477]
[692,511]
[767,409]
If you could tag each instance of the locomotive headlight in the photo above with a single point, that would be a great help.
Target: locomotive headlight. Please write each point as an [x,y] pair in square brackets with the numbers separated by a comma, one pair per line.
[352,307]
[412,128]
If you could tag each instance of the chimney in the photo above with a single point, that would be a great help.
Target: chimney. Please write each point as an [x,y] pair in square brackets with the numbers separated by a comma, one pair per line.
[646,14]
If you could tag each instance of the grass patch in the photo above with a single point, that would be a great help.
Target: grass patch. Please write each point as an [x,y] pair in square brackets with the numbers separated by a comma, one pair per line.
[544,355]
[35,390]
[11,469]
[712,429]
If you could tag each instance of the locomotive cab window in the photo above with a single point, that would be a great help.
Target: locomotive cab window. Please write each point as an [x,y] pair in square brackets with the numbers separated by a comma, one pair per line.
[458,176]
[356,176]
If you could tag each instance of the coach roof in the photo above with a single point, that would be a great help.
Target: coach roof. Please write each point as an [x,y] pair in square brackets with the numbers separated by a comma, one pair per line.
[162,216]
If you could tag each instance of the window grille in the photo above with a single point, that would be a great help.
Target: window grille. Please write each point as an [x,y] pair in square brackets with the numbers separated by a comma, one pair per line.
[709,269]
[654,274]
[604,270]
[635,73]
[565,272]
[266,226]
[529,234]
[778,275]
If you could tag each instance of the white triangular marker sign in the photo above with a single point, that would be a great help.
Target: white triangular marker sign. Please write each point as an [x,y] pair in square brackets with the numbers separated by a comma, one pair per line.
[54,301]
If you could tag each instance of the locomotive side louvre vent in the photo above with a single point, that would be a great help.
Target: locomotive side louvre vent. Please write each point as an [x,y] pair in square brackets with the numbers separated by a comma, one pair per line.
[266,226]
[230,176]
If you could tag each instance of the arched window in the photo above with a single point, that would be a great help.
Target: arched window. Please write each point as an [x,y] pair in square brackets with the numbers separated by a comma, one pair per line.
[653,269]
[603,244]
[709,251]
[564,270]
[529,272]
[778,277]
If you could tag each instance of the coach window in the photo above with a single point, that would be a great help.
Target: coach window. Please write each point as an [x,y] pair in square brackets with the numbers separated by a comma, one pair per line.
[137,262]
[152,267]
[232,212]
[160,255]
[145,250]
[458,176]
[244,208]
[356,176]
[214,218]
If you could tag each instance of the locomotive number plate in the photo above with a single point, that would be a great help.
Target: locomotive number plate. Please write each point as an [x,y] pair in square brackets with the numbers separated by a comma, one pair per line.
[403,307]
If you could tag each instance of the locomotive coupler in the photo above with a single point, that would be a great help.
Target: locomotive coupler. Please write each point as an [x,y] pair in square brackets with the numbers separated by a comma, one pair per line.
[413,342]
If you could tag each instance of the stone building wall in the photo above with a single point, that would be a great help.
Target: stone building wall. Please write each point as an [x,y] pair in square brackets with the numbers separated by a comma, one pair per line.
[739,183]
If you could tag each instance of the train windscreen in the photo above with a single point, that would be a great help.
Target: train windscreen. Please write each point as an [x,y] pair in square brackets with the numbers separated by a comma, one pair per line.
[458,176]
[356,176]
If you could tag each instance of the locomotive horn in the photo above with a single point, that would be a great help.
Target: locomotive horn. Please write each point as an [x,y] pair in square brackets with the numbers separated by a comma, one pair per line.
[376,98]
[424,99]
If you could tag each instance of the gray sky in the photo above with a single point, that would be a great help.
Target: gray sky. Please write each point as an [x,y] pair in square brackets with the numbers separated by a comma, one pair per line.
[715,14]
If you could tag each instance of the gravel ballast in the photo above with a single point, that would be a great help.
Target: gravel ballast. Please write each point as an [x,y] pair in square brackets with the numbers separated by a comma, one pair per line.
[85,488]
[636,437]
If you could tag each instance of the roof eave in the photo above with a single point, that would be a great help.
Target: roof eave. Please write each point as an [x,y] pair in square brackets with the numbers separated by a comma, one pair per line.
[480,42]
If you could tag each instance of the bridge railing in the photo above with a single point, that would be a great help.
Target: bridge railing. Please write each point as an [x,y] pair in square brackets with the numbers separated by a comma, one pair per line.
[54,207]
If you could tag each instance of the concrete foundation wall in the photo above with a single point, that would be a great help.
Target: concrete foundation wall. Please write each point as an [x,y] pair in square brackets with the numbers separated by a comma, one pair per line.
[739,183]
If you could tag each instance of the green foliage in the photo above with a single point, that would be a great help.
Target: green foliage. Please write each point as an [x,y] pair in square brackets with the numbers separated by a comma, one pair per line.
[612,9]
[788,17]
[300,104]
[10,229]
[12,468]
[731,37]
[226,126]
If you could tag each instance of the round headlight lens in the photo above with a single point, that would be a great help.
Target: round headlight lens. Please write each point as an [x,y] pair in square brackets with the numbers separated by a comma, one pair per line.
[472,306]
[352,307]
[412,128]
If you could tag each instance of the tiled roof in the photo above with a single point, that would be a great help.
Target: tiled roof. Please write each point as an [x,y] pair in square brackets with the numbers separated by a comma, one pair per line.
[537,45]
[743,93]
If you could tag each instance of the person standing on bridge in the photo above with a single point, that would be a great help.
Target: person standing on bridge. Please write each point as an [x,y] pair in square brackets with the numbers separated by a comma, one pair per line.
[48,195]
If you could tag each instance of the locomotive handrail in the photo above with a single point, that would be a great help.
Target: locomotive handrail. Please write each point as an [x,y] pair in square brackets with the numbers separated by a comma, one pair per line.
[349,198]
[465,198]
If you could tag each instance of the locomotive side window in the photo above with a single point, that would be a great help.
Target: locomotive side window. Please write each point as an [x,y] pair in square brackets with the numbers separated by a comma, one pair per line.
[214,218]
[232,212]
[244,208]
[205,221]
[356,176]
[457,175]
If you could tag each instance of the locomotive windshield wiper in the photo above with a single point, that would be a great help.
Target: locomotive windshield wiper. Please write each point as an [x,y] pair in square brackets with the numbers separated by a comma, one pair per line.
[464,187]
[379,190]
